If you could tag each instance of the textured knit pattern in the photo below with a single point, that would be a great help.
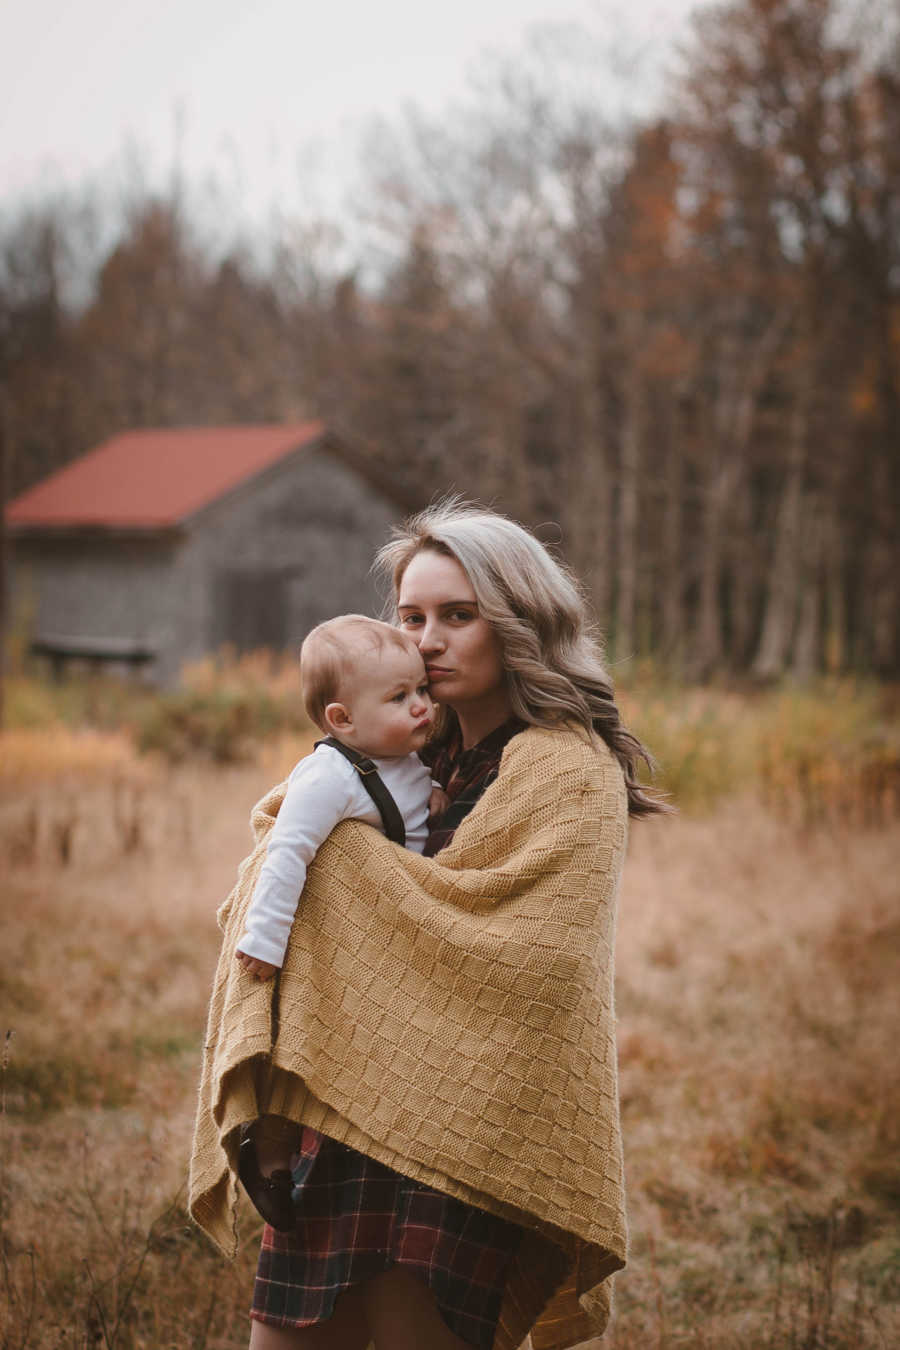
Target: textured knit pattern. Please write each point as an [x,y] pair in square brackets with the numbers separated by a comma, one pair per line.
[451,1017]
[358,1218]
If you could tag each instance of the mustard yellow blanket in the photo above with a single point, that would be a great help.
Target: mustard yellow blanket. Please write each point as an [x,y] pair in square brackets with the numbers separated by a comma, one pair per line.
[451,1017]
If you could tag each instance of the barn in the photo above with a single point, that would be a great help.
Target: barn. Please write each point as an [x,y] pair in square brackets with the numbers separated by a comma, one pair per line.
[160,546]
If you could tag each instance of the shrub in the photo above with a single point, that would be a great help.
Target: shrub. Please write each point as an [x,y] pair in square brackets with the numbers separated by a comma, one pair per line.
[222,724]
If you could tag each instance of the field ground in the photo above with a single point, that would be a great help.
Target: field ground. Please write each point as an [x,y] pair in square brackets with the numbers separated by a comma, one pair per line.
[760,1069]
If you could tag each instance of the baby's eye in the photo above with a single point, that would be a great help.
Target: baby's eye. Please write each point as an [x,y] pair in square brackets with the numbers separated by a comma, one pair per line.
[422,689]
[398,698]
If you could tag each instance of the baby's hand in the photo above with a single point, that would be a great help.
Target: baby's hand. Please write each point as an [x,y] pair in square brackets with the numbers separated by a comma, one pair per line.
[437,802]
[261,969]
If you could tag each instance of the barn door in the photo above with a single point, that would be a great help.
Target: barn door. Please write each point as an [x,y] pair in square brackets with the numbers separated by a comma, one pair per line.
[252,609]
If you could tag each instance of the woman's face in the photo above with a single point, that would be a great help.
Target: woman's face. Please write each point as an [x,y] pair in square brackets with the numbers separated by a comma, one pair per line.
[438,609]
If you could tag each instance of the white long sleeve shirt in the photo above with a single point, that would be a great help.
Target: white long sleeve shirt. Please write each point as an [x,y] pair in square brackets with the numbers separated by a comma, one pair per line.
[323,789]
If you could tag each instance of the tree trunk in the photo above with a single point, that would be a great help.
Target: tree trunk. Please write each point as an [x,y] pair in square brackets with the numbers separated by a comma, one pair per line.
[707,654]
[882,598]
[884,558]
[588,500]
[835,636]
[750,372]
[742,374]
[741,589]
[807,658]
[706,648]
[780,613]
[626,540]
[672,580]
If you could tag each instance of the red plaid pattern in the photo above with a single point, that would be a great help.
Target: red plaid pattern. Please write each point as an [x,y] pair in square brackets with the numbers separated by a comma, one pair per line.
[356,1218]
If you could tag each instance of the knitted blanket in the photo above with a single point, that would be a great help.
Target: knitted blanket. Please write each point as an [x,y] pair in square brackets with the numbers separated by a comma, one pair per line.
[451,1017]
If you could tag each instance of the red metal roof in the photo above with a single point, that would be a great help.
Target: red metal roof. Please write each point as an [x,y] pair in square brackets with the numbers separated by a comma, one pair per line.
[155,478]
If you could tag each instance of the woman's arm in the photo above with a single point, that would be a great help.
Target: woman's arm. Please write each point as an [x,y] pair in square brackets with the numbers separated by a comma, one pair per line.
[547,803]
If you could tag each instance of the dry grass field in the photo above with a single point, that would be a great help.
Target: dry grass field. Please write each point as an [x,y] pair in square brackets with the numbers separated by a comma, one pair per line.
[759,964]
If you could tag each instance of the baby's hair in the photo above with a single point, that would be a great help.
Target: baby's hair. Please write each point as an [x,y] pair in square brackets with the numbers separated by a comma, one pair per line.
[330,651]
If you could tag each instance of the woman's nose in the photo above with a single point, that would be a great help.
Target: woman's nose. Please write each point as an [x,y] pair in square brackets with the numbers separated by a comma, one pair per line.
[430,639]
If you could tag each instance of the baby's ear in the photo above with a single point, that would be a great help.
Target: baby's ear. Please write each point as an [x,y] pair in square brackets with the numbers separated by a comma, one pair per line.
[337,718]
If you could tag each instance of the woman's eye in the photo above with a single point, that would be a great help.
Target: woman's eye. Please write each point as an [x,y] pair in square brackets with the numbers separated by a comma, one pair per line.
[462,615]
[409,619]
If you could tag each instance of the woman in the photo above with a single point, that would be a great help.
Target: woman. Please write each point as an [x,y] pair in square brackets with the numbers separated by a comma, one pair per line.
[446,1027]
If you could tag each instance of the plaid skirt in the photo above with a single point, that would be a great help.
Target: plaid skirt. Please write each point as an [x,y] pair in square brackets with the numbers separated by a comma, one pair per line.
[355,1218]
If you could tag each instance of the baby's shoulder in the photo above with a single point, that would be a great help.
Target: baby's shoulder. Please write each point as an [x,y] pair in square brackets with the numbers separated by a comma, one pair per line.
[323,764]
[320,756]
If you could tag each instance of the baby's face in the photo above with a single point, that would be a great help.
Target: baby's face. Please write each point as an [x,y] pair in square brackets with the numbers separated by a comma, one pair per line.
[390,708]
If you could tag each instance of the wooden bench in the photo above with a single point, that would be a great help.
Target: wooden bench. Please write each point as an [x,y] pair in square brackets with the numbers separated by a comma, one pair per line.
[96,651]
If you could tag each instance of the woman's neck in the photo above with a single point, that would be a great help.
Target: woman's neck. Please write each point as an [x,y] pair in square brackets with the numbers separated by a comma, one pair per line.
[480,718]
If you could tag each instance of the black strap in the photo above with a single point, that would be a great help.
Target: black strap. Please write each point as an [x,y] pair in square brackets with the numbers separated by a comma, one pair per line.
[372,781]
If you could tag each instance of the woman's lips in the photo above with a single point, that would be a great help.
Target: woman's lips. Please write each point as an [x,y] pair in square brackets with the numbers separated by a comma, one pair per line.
[436,672]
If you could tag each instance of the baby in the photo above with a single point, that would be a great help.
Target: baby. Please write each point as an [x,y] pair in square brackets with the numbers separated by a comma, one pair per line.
[364,685]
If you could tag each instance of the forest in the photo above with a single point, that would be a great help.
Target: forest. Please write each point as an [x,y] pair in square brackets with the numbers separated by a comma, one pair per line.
[671,345]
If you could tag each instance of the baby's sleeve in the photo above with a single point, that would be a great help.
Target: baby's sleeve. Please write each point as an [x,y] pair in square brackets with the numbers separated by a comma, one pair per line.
[320,794]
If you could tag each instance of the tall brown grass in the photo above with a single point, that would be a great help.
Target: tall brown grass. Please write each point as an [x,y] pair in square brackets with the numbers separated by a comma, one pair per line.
[106,970]
[758,971]
[758,963]
[826,752]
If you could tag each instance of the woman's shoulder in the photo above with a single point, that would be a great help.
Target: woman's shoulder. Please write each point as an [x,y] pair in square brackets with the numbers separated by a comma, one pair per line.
[565,749]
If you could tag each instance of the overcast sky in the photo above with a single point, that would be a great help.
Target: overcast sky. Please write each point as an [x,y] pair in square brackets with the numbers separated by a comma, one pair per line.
[253,85]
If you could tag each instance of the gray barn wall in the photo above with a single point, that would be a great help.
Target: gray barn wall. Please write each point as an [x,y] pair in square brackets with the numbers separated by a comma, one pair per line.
[306,531]
[98,586]
[308,528]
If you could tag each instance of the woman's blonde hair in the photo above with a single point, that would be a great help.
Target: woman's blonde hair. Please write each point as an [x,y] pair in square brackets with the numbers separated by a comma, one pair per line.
[551,652]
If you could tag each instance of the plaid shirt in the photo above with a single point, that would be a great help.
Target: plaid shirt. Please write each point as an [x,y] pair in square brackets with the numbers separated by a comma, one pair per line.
[356,1217]
[464,775]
